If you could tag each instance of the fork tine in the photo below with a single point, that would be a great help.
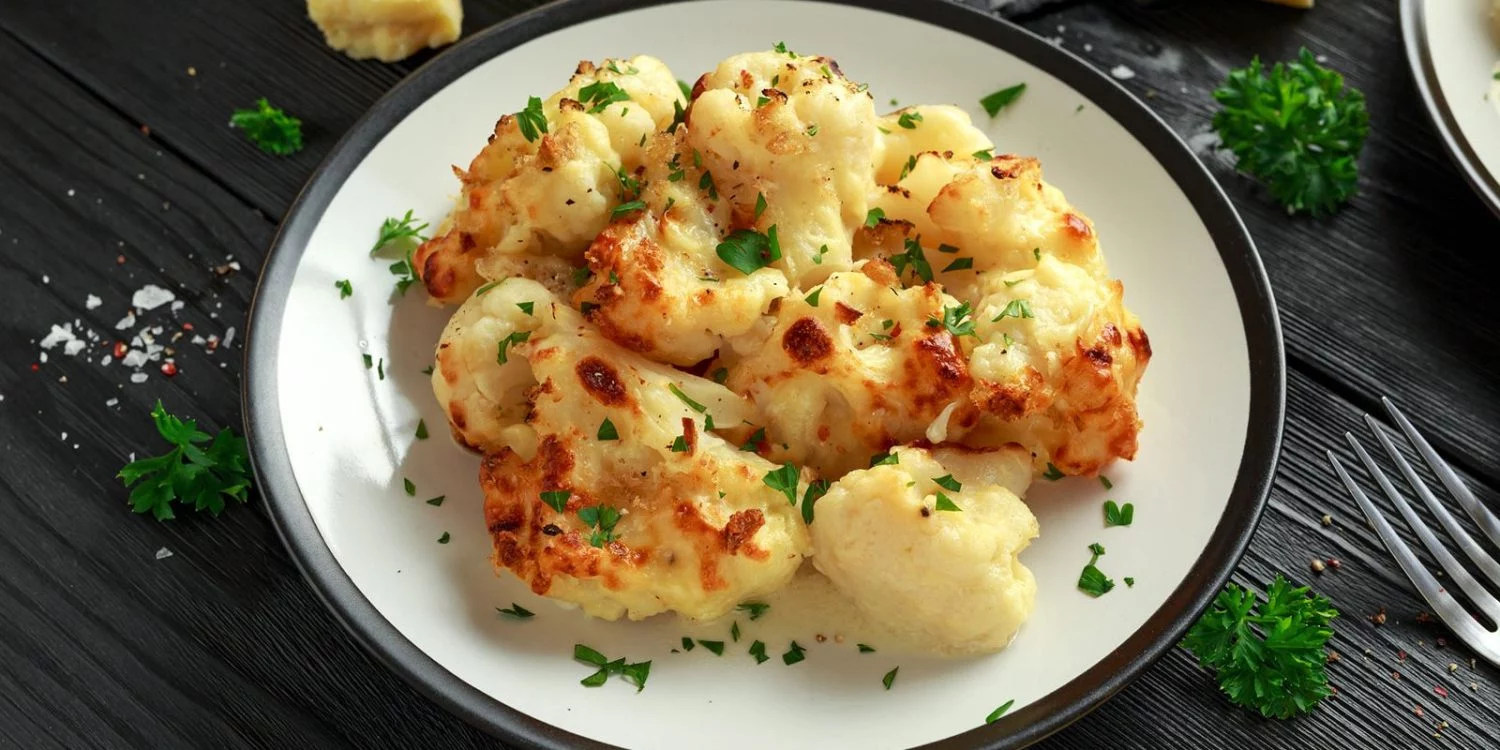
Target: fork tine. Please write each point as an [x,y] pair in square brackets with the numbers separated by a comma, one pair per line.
[1445,474]
[1443,603]
[1465,541]
[1455,571]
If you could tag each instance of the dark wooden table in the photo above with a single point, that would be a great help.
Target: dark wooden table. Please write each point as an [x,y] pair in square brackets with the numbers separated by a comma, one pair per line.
[117,170]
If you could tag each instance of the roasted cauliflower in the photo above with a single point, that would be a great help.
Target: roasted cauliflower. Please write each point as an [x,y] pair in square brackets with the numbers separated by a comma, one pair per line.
[387,30]
[704,337]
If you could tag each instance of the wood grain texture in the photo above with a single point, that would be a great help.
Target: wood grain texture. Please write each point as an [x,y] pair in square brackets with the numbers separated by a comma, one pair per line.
[224,645]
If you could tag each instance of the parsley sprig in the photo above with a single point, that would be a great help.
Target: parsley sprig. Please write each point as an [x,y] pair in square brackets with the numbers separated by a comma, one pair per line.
[190,473]
[635,674]
[1268,655]
[1299,130]
[270,128]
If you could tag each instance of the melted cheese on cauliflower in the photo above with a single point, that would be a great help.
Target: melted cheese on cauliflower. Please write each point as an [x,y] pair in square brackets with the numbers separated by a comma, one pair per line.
[950,578]
[387,30]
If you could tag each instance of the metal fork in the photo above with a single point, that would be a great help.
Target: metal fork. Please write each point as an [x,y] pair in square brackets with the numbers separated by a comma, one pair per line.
[1466,626]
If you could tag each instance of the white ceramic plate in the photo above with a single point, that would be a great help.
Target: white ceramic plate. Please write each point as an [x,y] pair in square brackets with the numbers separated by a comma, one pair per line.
[1455,59]
[332,440]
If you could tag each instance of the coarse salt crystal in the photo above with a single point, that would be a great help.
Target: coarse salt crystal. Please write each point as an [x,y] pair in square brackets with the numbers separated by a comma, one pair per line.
[92,302]
[228,337]
[150,297]
[41,357]
[60,334]
[46,279]
[112,402]
[64,436]
[126,322]
[74,347]
[163,553]
[135,358]
[1122,73]
[178,305]
[138,377]
[105,360]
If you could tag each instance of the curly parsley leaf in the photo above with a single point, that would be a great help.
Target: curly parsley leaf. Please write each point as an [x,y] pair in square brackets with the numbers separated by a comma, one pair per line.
[270,128]
[191,473]
[1001,99]
[1299,130]
[1268,655]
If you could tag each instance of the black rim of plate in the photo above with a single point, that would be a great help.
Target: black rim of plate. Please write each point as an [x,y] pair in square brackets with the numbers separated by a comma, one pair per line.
[273,467]
[1414,35]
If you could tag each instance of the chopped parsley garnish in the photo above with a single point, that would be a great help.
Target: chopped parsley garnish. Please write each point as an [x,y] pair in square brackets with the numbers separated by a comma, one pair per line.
[874,216]
[444,538]
[828,74]
[783,480]
[781,47]
[437,502]
[687,91]
[1129,582]
[914,259]
[884,459]
[189,474]
[762,101]
[405,228]
[516,611]
[380,368]
[758,650]
[946,503]
[607,430]
[706,182]
[1001,99]
[734,631]
[911,163]
[715,646]
[501,352]
[683,397]
[1052,474]
[815,491]
[526,307]
[344,287]
[405,273]
[947,482]
[531,121]
[635,674]
[754,609]
[997,713]
[748,251]
[949,249]
[1092,581]
[1104,480]
[720,375]
[864,649]
[582,275]
[753,444]
[1017,308]
[602,519]
[956,319]
[269,128]
[909,120]
[679,444]
[890,678]
[625,208]
[793,654]
[812,299]
[409,486]
[1273,660]
[557,499]
[822,251]
[1116,515]
[421,429]
[1036,252]
[588,307]
[812,129]
[369,361]
[481,291]
[760,205]
[629,184]
[601,94]
[984,154]
[427,370]
[960,264]
[687,644]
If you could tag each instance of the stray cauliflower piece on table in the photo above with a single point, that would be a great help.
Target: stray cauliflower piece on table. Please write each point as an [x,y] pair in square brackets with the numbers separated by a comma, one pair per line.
[631,504]
[1058,365]
[550,176]
[856,366]
[927,556]
[387,30]
[658,285]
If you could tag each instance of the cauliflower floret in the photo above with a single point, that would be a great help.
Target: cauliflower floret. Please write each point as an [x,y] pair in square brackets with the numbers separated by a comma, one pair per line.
[948,577]
[659,287]
[387,30]
[486,400]
[793,131]
[656,512]
[553,193]
[1058,366]
[943,131]
[851,369]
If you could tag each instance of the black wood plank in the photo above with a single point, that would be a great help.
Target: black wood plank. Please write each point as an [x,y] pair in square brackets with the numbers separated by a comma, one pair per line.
[1391,295]
[104,645]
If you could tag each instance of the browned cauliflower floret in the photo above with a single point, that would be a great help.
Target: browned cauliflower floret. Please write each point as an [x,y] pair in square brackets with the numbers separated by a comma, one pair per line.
[550,194]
